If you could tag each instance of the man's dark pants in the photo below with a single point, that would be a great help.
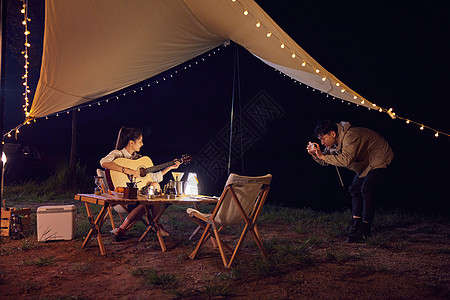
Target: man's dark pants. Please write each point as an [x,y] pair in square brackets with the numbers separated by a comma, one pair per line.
[364,193]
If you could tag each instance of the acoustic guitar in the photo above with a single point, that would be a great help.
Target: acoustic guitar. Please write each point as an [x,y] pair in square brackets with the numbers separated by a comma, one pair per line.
[145,167]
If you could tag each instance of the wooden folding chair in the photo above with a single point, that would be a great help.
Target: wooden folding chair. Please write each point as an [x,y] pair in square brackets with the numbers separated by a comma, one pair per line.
[242,200]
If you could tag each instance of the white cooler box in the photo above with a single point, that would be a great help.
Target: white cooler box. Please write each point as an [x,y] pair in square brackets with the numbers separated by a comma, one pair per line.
[56,222]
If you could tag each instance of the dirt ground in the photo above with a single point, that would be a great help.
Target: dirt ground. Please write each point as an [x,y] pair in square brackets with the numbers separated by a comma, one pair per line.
[413,265]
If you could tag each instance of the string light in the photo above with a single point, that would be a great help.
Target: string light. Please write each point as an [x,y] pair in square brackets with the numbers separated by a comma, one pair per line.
[27,45]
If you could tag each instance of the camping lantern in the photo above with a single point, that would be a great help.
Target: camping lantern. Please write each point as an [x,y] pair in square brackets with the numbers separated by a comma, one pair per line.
[191,187]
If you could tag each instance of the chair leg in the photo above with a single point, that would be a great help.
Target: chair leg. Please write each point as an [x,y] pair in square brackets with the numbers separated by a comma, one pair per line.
[200,242]
[220,244]
[258,241]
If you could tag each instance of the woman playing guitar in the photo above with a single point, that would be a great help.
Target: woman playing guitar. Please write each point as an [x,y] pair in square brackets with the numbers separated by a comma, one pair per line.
[129,142]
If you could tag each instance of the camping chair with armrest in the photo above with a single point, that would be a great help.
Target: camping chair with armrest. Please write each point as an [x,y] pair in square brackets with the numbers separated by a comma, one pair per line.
[122,210]
[242,200]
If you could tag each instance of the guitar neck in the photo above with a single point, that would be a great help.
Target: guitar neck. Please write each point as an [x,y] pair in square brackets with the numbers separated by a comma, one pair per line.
[159,167]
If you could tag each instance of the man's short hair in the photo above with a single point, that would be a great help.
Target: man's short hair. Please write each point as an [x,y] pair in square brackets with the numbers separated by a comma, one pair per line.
[325,127]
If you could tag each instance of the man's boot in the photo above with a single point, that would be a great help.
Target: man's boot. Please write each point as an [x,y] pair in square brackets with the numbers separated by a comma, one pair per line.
[366,230]
[356,231]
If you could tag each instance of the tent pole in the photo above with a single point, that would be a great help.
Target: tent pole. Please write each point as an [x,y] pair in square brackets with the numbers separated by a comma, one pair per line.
[2,88]
[236,80]
[232,115]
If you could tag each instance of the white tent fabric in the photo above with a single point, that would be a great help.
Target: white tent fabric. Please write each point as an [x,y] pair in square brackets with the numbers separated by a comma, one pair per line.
[93,48]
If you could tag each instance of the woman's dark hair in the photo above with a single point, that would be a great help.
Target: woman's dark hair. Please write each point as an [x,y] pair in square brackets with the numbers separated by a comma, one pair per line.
[126,135]
[325,127]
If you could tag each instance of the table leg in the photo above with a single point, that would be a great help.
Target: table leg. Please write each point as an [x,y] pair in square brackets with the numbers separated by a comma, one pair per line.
[154,221]
[96,225]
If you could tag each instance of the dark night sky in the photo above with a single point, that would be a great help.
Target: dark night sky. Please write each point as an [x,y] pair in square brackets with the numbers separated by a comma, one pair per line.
[394,54]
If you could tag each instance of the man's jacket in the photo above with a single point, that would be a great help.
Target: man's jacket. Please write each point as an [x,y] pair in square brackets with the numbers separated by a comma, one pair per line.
[359,149]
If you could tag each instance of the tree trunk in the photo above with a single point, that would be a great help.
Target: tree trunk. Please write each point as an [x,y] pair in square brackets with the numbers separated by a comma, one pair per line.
[73,151]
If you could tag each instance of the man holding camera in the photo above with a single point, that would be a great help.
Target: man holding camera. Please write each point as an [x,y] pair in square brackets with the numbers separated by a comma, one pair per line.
[367,154]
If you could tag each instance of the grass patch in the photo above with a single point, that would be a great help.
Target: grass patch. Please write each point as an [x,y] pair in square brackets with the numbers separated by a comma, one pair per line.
[443,251]
[2,277]
[82,267]
[284,255]
[214,290]
[41,261]
[340,256]
[59,187]
[152,277]
[28,244]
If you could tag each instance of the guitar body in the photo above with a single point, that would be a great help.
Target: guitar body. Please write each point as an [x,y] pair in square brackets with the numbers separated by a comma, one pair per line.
[121,179]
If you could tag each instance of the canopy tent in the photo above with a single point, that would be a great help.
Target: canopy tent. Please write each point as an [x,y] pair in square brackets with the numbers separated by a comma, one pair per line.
[94,48]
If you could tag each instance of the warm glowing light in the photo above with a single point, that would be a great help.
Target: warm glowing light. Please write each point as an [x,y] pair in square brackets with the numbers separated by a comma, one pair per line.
[354,97]
[258,24]
[324,78]
[303,63]
[380,110]
[27,32]
[269,34]
[317,71]
[407,121]
[246,12]
[362,101]
[282,46]
[338,84]
[421,127]
[373,104]
[437,134]
[343,90]
[293,55]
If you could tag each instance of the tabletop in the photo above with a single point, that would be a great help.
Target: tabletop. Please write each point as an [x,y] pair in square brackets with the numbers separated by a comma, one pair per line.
[116,199]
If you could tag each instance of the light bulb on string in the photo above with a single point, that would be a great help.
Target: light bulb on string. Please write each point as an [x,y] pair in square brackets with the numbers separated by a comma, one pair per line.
[421,127]
[437,134]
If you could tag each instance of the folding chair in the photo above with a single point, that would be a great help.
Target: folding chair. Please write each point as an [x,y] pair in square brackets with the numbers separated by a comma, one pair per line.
[242,200]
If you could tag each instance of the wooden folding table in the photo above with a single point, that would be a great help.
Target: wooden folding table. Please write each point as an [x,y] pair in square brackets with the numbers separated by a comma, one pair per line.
[106,200]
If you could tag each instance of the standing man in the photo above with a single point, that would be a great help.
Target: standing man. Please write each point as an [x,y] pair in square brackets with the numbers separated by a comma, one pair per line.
[367,154]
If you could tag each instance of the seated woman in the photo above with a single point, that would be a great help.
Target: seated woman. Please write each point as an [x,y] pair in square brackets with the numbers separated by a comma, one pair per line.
[129,142]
